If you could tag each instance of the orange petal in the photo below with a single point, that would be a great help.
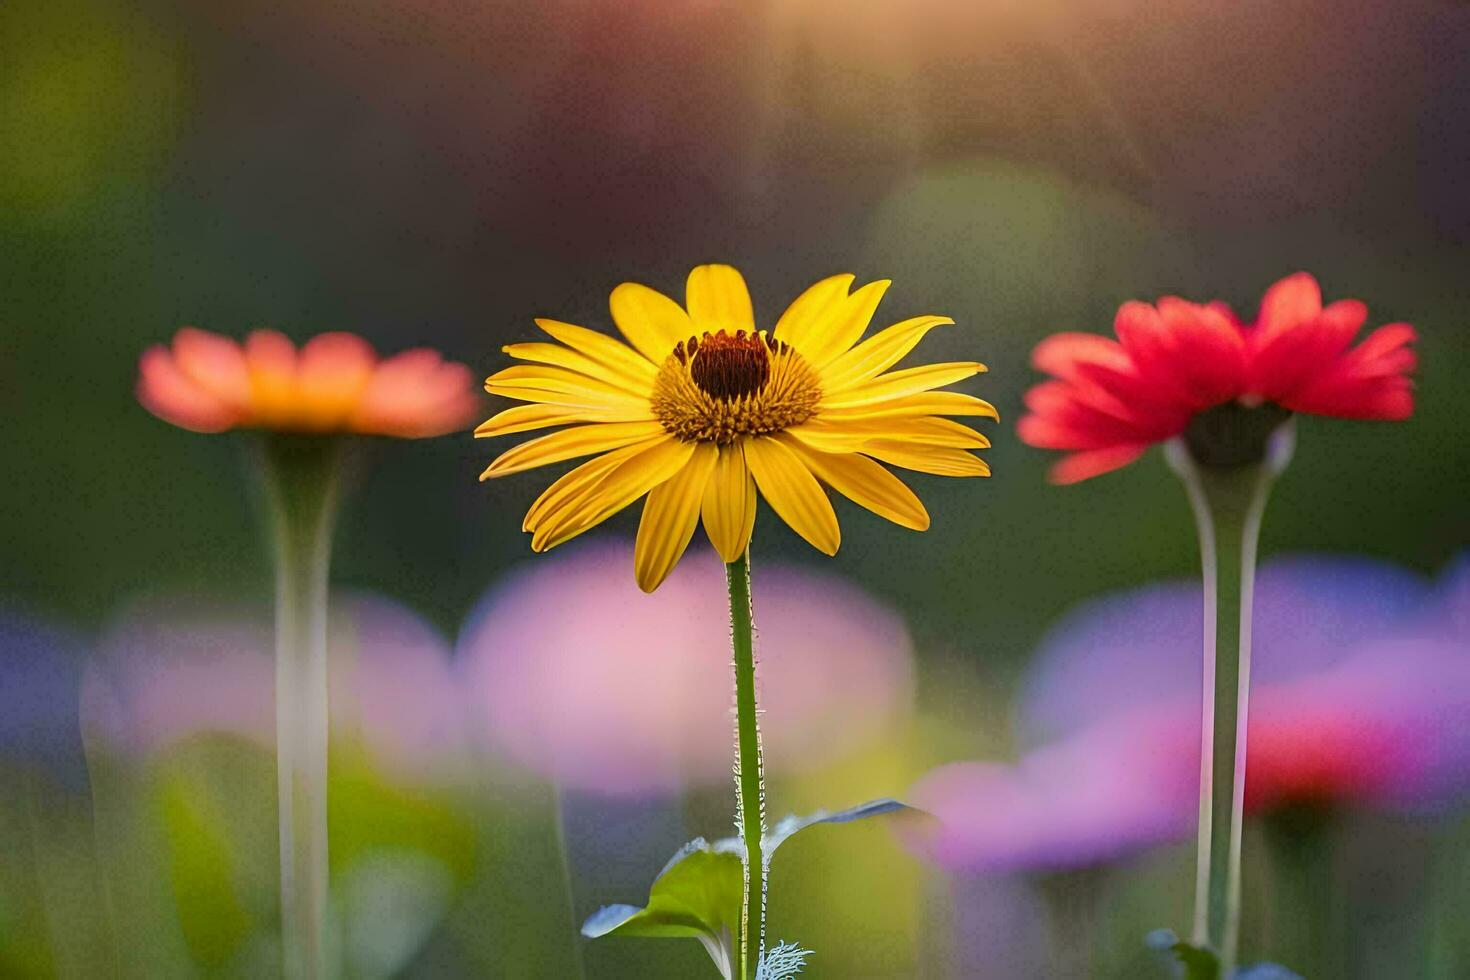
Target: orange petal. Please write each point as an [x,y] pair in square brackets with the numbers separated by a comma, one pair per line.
[415,395]
[271,360]
[333,371]
[171,395]
[214,363]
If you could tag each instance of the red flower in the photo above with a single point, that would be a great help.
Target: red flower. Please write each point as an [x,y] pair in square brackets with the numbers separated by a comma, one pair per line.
[1323,755]
[1112,399]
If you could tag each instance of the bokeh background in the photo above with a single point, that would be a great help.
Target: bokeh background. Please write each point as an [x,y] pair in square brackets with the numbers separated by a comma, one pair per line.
[441,171]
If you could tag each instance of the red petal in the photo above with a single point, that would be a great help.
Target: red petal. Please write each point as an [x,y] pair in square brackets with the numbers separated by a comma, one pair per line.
[1288,360]
[1064,354]
[1387,343]
[1083,409]
[1371,381]
[1146,339]
[1084,466]
[1047,433]
[1210,351]
[1287,303]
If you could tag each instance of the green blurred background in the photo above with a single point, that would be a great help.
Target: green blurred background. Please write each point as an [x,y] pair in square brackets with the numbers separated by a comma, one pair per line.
[441,171]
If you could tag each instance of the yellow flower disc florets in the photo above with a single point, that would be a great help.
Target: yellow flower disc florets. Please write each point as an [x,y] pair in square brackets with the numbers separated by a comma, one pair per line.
[720,386]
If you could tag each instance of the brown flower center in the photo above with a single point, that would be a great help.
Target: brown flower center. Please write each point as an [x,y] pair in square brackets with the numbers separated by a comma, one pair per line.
[721,386]
[728,366]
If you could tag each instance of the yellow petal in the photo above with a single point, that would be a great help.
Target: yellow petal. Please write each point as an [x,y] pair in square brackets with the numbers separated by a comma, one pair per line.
[625,483]
[718,300]
[581,440]
[571,485]
[811,309]
[549,378]
[651,321]
[606,407]
[842,327]
[523,418]
[878,353]
[939,460]
[614,353]
[897,384]
[924,403]
[833,434]
[865,483]
[828,438]
[584,364]
[728,508]
[670,515]
[932,431]
[793,492]
[750,509]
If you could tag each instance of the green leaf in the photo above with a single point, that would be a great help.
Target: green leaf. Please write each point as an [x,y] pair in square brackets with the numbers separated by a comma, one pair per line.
[1199,962]
[789,825]
[214,921]
[699,893]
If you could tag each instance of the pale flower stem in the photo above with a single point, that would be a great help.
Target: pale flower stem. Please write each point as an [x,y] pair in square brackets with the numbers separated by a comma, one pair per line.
[301,482]
[1205,526]
[1228,504]
[564,862]
[750,813]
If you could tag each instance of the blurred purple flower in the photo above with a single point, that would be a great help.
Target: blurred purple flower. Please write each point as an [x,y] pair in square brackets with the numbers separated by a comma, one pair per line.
[577,675]
[171,668]
[1447,616]
[40,673]
[1137,648]
[1362,679]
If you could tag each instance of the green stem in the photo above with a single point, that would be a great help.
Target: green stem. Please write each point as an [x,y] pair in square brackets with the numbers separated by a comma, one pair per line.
[750,814]
[1074,900]
[564,862]
[301,489]
[1444,899]
[1228,503]
[1307,911]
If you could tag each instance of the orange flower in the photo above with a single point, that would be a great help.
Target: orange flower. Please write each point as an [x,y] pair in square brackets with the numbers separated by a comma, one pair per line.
[334,383]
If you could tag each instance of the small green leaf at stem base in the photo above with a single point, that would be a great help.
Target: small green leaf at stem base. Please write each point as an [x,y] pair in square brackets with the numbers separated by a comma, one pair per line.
[1201,963]
[699,893]
[697,896]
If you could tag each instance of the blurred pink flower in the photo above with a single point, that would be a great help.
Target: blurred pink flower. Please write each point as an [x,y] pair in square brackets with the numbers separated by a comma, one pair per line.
[1089,799]
[171,668]
[1361,694]
[576,674]
[1384,728]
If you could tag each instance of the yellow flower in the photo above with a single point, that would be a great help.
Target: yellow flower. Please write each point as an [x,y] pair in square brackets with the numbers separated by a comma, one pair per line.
[703,409]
